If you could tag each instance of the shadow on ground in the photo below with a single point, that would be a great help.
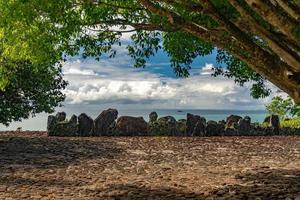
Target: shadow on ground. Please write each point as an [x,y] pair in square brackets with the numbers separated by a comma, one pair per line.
[20,153]
[262,183]
[43,152]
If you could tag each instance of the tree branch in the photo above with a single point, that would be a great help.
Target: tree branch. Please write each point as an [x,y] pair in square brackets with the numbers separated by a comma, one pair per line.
[291,10]
[243,48]
[280,22]
[278,46]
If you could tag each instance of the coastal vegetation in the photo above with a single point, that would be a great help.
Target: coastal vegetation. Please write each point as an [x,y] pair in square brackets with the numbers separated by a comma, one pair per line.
[255,41]
[29,91]
[285,108]
[291,123]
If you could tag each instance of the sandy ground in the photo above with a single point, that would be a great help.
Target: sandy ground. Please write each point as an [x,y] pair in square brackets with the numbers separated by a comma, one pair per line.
[34,166]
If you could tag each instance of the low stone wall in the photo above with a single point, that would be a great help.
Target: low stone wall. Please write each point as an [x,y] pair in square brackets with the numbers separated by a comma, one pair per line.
[108,124]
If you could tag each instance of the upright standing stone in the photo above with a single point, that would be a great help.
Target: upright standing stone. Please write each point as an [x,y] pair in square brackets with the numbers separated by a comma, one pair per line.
[59,126]
[214,129]
[232,119]
[131,126]
[181,127]
[199,129]
[244,126]
[85,126]
[222,122]
[191,121]
[195,125]
[73,119]
[168,126]
[51,123]
[104,121]
[153,117]
[247,118]
[61,116]
[275,123]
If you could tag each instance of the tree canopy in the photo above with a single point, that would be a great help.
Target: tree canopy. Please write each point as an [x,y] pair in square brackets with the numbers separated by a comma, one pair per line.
[283,107]
[257,40]
[30,90]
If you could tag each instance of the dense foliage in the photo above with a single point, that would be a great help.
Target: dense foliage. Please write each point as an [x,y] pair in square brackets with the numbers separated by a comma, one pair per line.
[291,123]
[256,40]
[30,90]
[284,107]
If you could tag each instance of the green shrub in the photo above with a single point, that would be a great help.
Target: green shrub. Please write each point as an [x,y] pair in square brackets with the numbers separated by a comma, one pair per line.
[292,123]
[159,129]
[283,107]
[64,128]
[265,125]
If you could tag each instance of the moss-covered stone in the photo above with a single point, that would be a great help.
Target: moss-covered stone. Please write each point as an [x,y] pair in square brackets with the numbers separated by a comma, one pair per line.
[131,126]
[181,127]
[64,129]
[164,126]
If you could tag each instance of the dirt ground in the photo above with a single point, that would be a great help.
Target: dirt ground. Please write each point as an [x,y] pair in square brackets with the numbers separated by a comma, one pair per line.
[34,166]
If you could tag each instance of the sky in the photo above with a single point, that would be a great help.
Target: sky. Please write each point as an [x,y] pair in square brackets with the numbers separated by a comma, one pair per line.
[115,83]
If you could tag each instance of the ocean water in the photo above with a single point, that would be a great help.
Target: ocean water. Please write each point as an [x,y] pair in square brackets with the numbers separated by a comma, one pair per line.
[40,121]
[256,116]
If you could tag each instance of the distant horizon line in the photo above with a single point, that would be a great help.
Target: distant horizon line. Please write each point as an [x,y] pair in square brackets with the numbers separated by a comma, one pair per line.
[179,109]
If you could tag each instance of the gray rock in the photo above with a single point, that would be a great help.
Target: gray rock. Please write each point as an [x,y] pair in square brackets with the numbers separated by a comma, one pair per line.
[195,125]
[275,123]
[51,122]
[232,119]
[73,119]
[61,116]
[64,129]
[290,131]
[59,126]
[131,126]
[169,119]
[182,120]
[181,127]
[222,122]
[164,126]
[191,121]
[244,126]
[85,125]
[199,129]
[247,118]
[153,117]
[104,121]
[268,131]
[234,125]
[230,132]
[214,129]
[112,128]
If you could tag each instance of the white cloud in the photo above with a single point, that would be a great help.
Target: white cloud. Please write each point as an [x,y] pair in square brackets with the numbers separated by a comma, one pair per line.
[83,72]
[207,69]
[115,82]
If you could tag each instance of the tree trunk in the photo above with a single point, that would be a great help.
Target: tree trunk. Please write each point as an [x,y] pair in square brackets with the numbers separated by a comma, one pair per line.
[279,62]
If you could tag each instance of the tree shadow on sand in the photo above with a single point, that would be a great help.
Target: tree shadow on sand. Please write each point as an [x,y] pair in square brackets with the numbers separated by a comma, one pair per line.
[262,183]
[43,152]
